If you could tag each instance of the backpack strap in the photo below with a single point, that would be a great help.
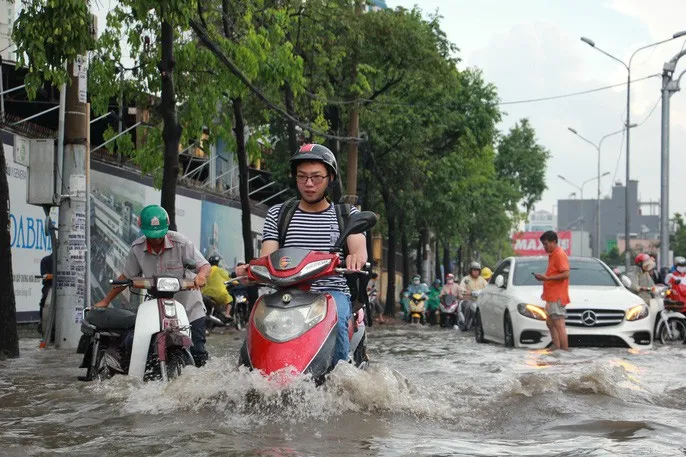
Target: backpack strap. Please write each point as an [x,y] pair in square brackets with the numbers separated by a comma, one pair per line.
[342,215]
[286,213]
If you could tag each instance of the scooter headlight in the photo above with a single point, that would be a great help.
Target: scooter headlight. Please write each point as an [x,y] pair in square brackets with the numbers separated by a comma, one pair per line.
[168,285]
[637,312]
[532,311]
[281,325]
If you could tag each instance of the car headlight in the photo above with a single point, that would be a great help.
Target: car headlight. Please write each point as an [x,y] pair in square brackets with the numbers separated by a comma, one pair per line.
[532,311]
[168,285]
[637,312]
[261,272]
[314,267]
[280,325]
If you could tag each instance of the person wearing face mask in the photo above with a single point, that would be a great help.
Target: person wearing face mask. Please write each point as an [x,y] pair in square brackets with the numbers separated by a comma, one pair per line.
[640,276]
[452,288]
[415,287]
[677,280]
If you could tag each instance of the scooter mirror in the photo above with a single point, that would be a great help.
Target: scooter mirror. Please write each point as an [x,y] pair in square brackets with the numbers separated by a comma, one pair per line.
[626,281]
[357,223]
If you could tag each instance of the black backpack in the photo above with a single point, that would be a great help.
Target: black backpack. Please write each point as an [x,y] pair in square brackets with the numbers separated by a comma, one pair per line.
[286,213]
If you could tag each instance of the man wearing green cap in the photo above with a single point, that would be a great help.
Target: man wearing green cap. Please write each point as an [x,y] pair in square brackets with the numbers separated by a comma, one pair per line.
[161,251]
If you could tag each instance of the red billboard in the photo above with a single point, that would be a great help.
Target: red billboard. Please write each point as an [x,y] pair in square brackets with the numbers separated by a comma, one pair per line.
[529,244]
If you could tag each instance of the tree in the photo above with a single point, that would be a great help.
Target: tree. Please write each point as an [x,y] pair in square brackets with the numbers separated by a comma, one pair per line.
[9,340]
[521,162]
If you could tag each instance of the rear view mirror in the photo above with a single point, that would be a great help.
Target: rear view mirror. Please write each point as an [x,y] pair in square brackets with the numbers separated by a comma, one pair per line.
[626,281]
[500,281]
[357,223]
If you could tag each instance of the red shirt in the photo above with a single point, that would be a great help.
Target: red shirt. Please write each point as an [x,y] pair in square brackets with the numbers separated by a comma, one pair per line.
[557,289]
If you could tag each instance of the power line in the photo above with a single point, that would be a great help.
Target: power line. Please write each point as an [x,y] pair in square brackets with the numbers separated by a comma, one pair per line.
[512,102]
[574,94]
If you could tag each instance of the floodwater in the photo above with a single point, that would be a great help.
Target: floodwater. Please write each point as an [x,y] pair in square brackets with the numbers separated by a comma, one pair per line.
[428,392]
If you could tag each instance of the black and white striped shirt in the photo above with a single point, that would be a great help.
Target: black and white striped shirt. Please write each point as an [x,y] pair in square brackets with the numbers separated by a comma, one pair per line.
[313,231]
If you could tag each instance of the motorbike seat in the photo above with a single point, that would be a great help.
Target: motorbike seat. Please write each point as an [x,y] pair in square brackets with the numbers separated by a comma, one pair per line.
[111,319]
[208,302]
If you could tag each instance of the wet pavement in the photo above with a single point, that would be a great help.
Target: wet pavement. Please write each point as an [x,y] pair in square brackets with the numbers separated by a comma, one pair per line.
[428,392]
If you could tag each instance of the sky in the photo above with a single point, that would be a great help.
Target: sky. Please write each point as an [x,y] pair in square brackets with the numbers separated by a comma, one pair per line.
[532,49]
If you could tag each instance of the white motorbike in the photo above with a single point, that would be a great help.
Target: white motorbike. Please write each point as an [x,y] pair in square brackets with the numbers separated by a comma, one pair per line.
[670,324]
[467,312]
[153,343]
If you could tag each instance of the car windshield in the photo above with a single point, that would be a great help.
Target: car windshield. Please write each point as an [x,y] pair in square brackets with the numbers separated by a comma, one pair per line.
[582,273]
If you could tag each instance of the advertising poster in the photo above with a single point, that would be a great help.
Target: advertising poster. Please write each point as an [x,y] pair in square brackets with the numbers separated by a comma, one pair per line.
[221,233]
[115,205]
[529,243]
[28,238]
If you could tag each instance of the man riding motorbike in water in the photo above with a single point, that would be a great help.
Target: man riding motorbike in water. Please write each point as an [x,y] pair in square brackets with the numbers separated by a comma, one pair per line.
[472,284]
[433,303]
[415,287]
[314,226]
[641,278]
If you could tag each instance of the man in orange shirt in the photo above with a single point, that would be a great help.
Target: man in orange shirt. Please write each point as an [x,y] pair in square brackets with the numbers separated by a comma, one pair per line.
[555,289]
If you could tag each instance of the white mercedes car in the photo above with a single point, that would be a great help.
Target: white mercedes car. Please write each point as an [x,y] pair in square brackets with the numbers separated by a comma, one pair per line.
[602,312]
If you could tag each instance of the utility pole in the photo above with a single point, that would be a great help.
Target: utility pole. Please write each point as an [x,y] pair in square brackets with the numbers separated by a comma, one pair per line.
[353,128]
[669,88]
[72,267]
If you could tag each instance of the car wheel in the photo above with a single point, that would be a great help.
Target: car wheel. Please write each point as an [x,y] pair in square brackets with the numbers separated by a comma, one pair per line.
[508,332]
[478,329]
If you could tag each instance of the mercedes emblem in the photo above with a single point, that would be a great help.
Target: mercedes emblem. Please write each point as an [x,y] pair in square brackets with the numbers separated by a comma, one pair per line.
[286,298]
[589,318]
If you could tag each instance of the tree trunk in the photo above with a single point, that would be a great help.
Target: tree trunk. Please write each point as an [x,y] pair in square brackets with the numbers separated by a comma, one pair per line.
[389,309]
[172,130]
[458,267]
[419,261]
[9,340]
[446,258]
[243,176]
[405,250]
[437,259]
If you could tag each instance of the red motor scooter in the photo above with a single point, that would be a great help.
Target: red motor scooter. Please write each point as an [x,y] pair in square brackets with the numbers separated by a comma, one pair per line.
[293,327]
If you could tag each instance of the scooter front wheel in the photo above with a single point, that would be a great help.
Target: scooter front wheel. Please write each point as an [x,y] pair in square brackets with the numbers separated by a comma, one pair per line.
[678,332]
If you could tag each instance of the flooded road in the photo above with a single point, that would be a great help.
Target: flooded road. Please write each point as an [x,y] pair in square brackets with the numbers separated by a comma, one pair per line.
[427,392]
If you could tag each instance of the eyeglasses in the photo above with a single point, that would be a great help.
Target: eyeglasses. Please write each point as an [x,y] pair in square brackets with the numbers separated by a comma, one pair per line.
[316,179]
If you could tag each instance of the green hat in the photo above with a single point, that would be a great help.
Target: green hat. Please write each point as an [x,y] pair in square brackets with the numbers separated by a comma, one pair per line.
[154,221]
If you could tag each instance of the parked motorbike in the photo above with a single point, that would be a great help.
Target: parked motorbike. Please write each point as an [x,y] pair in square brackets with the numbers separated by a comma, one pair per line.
[293,326]
[417,306]
[670,325]
[153,343]
[448,308]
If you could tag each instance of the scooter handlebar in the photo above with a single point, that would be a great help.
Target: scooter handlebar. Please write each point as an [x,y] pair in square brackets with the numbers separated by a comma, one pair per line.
[347,271]
[121,282]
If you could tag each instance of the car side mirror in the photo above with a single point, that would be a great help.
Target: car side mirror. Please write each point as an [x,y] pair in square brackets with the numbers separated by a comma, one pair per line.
[626,281]
[500,282]
[358,222]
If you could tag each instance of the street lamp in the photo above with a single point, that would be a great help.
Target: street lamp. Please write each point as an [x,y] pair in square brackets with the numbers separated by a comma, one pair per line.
[581,192]
[597,206]
[627,217]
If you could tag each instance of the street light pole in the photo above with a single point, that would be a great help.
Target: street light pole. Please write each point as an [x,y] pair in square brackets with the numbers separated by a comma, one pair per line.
[627,213]
[669,88]
[581,192]
[597,206]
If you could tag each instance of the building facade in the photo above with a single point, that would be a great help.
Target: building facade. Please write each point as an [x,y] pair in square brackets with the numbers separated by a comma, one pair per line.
[580,215]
